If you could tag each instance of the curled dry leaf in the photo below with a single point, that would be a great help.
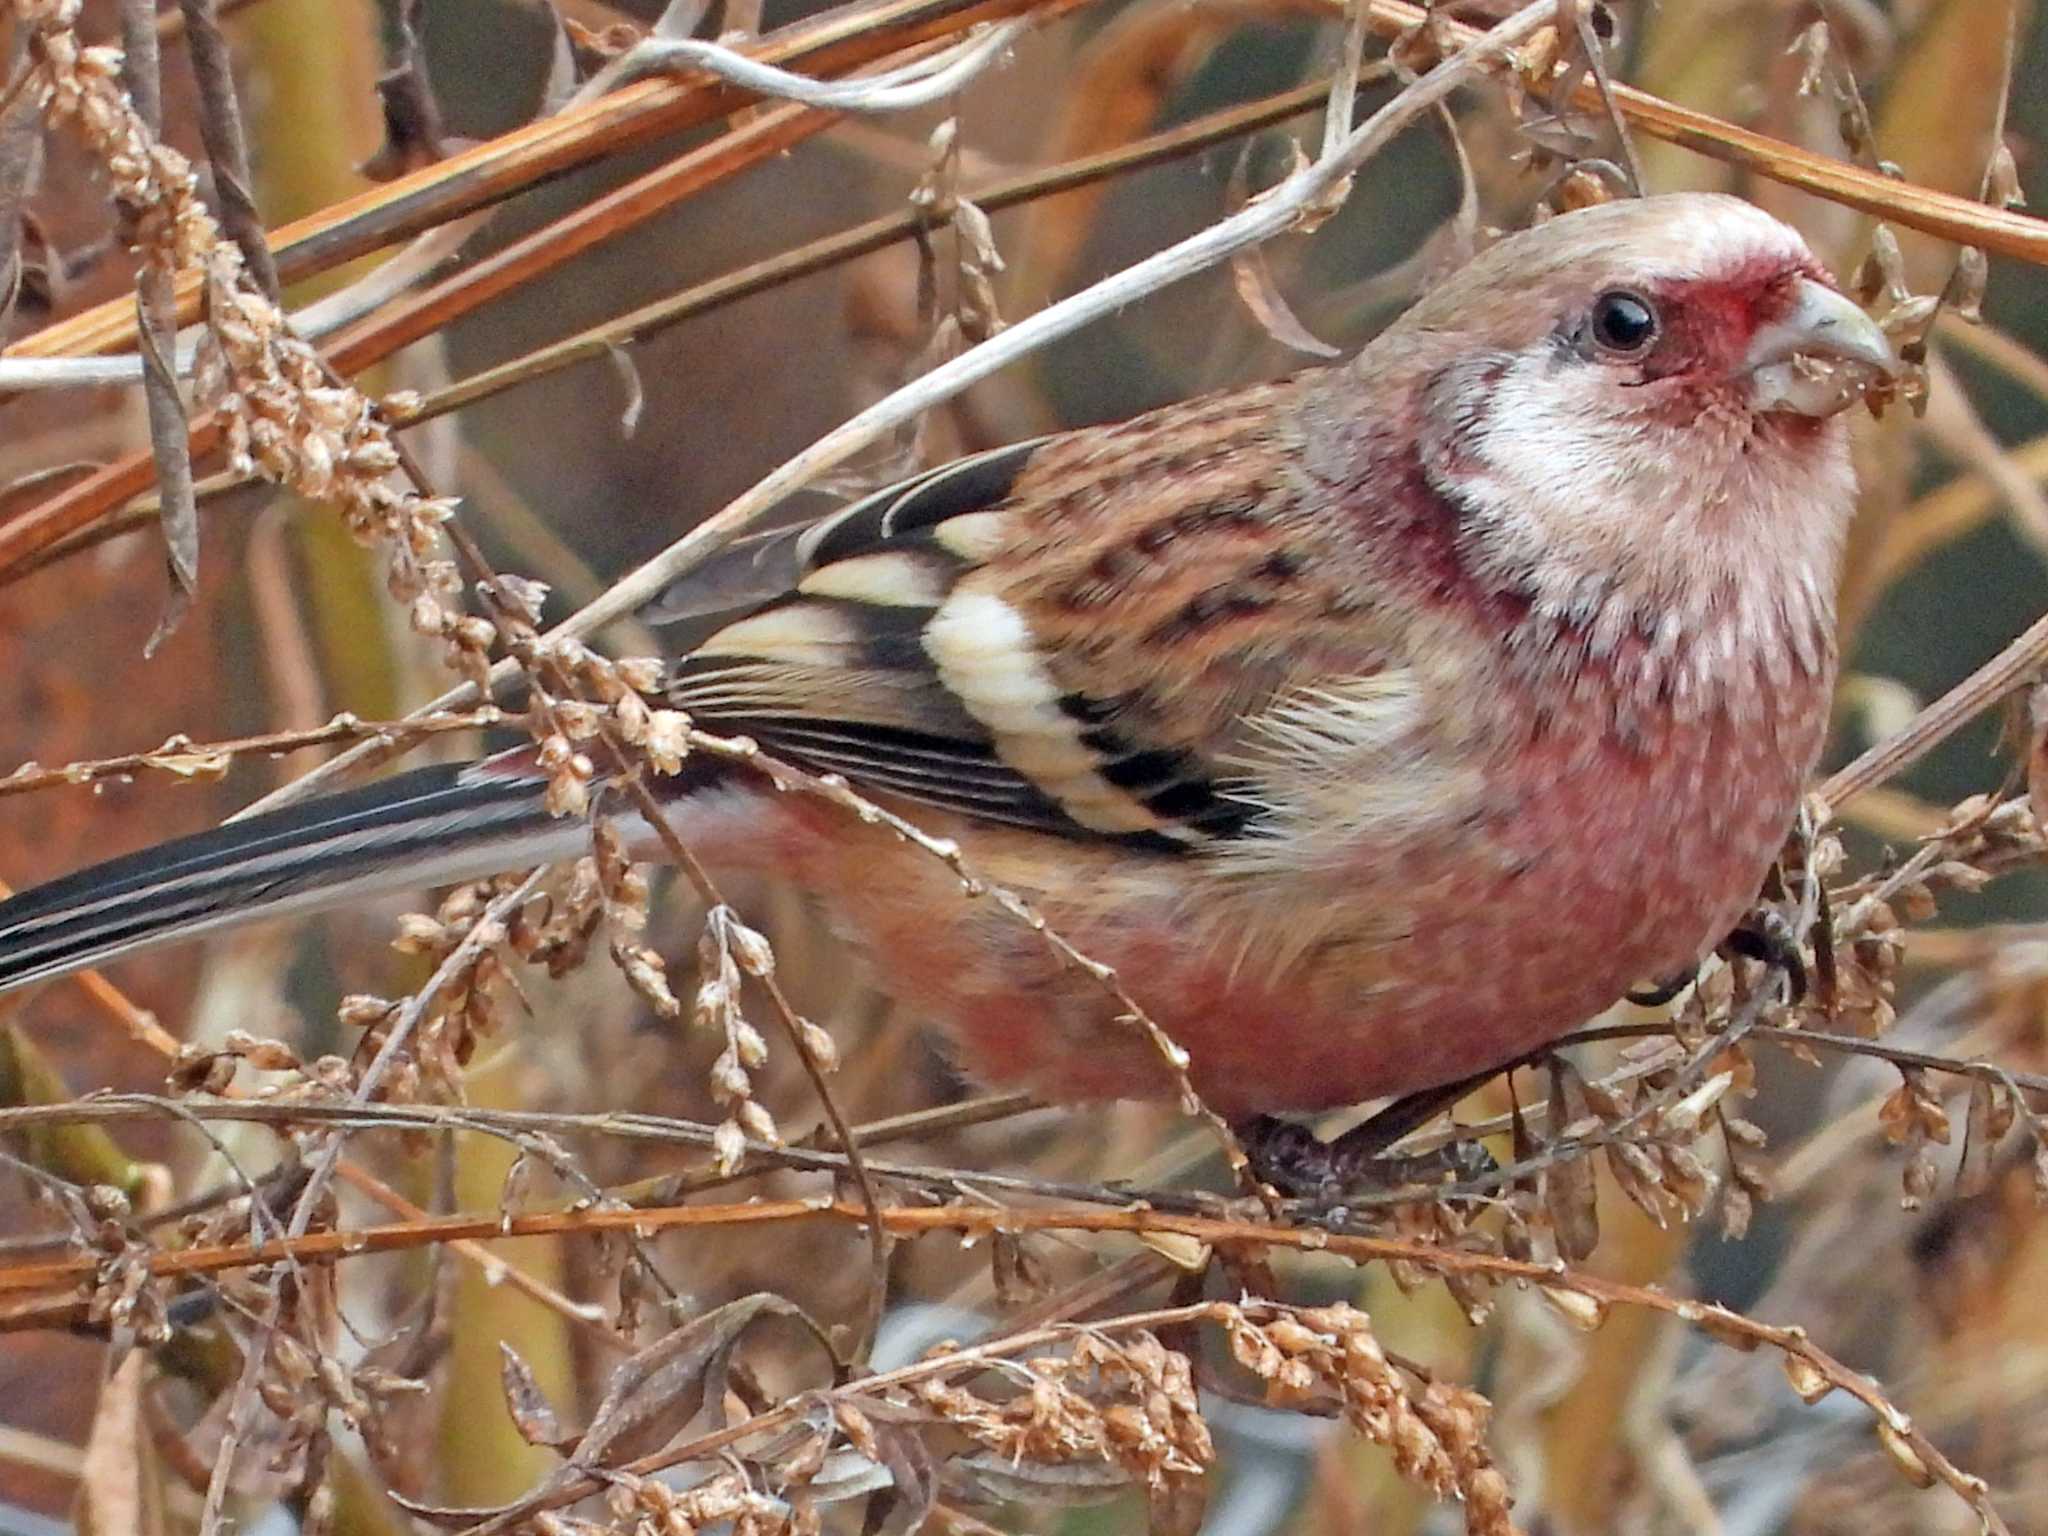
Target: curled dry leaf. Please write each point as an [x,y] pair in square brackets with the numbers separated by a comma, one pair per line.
[2037,752]
[1899,1446]
[532,1414]
[1990,1117]
[1569,1195]
[648,1400]
[1807,1379]
[652,1395]
[913,1474]
[1251,273]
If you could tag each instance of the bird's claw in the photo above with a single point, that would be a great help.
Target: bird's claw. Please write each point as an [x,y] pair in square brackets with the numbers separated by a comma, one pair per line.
[1771,942]
[1660,993]
[1775,945]
[1302,1166]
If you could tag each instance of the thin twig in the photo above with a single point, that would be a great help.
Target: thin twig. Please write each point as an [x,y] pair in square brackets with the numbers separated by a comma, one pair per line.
[523,1128]
[598,342]
[588,1318]
[187,759]
[1603,84]
[1719,1322]
[2011,668]
[487,931]
[833,250]
[934,75]
[143,1028]
[156,333]
[834,42]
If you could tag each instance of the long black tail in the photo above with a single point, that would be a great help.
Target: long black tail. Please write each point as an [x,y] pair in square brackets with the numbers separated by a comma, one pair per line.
[432,826]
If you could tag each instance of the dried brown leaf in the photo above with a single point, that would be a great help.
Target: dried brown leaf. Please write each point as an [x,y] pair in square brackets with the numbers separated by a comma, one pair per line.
[532,1414]
[1569,1193]
[120,1484]
[902,1450]
[652,1395]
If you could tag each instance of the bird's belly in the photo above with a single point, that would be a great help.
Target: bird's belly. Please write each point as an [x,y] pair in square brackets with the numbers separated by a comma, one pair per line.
[1591,871]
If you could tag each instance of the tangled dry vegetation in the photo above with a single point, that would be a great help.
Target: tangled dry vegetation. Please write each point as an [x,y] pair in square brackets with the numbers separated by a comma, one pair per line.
[554,1214]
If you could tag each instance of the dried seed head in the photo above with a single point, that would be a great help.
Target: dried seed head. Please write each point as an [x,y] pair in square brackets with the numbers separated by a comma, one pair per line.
[643,674]
[819,1045]
[729,1146]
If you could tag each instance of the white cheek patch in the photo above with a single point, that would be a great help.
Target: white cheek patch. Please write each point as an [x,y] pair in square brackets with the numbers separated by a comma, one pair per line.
[1733,527]
[987,658]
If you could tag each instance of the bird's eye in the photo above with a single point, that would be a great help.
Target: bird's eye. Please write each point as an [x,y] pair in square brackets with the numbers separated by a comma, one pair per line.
[1623,323]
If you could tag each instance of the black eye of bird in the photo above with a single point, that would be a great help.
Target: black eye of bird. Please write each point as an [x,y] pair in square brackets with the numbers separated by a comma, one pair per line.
[1623,323]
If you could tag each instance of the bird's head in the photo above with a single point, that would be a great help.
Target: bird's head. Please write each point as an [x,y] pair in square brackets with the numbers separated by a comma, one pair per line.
[1642,395]
[1667,307]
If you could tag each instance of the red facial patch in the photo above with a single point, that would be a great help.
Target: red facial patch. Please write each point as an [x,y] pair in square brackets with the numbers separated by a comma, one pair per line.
[1708,322]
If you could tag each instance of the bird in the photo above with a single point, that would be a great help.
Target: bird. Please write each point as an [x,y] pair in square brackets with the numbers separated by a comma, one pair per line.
[1378,724]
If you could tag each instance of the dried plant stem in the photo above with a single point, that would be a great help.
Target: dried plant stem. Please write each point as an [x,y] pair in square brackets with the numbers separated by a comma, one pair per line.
[1721,1323]
[1941,214]
[519,1125]
[597,342]
[833,43]
[877,234]
[397,318]
[1847,1045]
[188,759]
[523,1128]
[836,42]
[486,932]
[408,318]
[707,891]
[2012,667]
[143,1028]
[82,503]
[589,1319]
[220,130]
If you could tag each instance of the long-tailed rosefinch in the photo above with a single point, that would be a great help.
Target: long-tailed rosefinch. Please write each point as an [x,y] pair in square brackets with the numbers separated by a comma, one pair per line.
[1377,724]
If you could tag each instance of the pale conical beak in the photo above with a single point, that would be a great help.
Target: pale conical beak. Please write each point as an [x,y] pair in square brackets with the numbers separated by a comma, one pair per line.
[1820,356]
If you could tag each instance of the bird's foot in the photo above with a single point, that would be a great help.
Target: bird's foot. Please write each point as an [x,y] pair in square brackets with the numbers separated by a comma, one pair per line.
[1766,936]
[1300,1164]
[1772,941]
[1657,995]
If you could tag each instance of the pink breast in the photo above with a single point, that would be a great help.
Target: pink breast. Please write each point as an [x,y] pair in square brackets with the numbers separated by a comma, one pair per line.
[1598,865]
[1597,872]
[1603,868]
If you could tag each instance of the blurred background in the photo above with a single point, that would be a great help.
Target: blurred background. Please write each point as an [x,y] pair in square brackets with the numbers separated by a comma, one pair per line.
[576,476]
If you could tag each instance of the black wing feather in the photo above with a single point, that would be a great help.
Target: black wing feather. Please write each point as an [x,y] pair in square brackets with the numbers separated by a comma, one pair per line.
[766,566]
[836,676]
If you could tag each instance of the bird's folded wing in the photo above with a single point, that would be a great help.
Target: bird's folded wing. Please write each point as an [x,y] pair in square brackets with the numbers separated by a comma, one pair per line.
[1072,635]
